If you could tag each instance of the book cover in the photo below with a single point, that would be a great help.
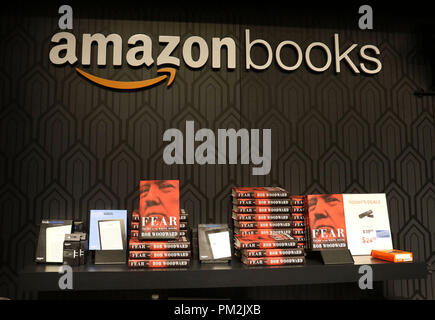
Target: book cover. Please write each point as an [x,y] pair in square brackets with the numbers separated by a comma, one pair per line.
[159,263]
[263,224]
[261,202]
[288,231]
[159,255]
[181,243]
[261,217]
[258,253]
[273,261]
[261,209]
[159,209]
[326,221]
[264,241]
[259,192]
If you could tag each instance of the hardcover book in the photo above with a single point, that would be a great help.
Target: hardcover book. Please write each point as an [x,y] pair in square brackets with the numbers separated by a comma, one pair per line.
[262,209]
[261,202]
[288,231]
[258,253]
[262,224]
[326,221]
[159,263]
[159,209]
[259,192]
[264,241]
[261,217]
[159,255]
[181,243]
[275,261]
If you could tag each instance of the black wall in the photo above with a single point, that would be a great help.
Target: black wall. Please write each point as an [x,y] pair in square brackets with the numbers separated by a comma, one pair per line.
[68,146]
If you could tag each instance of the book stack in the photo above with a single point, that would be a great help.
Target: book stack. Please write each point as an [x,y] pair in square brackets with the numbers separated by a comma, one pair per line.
[264,215]
[160,236]
[160,253]
[299,218]
[268,250]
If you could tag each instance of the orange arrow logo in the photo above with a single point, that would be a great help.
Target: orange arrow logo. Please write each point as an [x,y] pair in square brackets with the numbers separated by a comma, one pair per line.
[130,85]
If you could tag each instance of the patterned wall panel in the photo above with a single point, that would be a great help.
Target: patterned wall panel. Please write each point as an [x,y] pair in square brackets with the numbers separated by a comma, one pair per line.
[68,146]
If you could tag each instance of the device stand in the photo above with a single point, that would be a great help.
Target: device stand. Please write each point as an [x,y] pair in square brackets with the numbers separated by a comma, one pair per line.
[110,257]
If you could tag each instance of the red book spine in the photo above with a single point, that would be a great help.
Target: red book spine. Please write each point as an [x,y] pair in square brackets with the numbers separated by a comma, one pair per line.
[261,217]
[263,224]
[263,231]
[159,263]
[261,202]
[159,245]
[275,261]
[159,254]
[272,252]
[263,209]
[259,192]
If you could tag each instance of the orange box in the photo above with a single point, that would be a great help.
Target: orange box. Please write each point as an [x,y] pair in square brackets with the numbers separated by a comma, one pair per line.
[392,255]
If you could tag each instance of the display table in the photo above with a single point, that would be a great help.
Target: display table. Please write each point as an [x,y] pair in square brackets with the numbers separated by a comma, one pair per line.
[120,277]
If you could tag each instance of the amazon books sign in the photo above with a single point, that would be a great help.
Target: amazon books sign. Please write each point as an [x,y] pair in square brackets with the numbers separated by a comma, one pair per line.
[195,52]
[64,51]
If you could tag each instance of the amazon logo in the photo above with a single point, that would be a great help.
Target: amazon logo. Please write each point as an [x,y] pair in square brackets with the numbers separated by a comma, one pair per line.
[139,55]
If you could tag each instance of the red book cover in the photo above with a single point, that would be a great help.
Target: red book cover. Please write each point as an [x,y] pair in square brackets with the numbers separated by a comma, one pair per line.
[181,243]
[258,253]
[326,221]
[159,263]
[159,255]
[261,217]
[263,231]
[273,261]
[264,241]
[259,192]
[261,202]
[261,209]
[263,224]
[159,209]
